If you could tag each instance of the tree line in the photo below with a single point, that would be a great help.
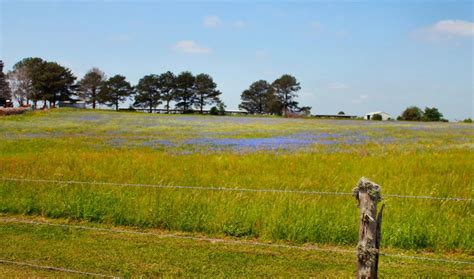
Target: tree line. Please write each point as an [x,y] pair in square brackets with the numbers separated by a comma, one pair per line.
[278,97]
[34,79]
[414,113]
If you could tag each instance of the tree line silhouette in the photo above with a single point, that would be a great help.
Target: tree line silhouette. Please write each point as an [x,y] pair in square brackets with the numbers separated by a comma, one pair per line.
[36,80]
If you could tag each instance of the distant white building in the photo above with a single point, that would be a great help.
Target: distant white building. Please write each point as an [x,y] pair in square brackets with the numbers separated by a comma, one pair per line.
[385,116]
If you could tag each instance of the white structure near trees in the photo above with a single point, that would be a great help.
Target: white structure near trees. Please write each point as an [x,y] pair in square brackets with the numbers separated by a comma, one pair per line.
[385,116]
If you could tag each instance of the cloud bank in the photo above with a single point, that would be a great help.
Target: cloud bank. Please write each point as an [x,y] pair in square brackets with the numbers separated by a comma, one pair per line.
[191,47]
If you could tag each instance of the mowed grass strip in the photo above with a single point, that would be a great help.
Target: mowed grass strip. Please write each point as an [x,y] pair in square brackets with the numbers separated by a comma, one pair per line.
[123,254]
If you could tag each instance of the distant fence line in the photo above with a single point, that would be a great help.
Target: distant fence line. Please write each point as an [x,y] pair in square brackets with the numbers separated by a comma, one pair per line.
[302,192]
[180,111]
[53,268]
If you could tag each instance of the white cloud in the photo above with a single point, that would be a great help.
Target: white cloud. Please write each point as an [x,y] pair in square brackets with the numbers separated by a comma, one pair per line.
[337,86]
[211,21]
[240,24]
[446,30]
[454,27]
[189,46]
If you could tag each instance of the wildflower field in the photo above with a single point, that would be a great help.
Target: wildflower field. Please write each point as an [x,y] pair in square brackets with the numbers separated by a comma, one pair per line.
[252,153]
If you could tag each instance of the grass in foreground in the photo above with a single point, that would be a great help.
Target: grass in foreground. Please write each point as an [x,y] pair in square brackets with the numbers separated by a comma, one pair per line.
[125,255]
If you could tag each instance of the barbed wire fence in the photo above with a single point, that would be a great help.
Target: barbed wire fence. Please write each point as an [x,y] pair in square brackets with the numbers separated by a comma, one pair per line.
[217,188]
[213,240]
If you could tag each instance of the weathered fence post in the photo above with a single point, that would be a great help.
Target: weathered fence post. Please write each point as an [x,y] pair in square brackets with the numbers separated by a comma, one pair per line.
[368,195]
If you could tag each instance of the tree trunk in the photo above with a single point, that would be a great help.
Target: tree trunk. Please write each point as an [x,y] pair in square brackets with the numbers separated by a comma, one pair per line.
[116,105]
[201,103]
[93,98]
[167,107]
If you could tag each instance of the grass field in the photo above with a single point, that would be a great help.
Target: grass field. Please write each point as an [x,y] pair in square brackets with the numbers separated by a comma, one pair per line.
[422,159]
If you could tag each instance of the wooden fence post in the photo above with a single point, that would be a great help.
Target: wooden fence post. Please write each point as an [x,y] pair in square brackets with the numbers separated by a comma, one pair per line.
[368,195]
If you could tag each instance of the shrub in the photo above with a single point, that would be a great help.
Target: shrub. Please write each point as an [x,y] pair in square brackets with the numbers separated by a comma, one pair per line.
[214,111]
[467,120]
[377,117]
[12,111]
[432,114]
[412,114]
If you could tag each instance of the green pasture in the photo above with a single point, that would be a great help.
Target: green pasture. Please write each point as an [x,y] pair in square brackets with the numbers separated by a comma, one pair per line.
[422,159]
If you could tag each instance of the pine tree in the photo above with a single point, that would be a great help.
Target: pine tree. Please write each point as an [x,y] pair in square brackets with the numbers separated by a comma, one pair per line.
[206,92]
[186,92]
[285,89]
[148,92]
[117,89]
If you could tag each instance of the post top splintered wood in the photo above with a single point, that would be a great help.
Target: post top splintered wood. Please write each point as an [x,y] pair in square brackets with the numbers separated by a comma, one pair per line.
[372,188]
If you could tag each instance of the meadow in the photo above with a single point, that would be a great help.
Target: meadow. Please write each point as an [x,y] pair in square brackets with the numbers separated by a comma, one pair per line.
[416,159]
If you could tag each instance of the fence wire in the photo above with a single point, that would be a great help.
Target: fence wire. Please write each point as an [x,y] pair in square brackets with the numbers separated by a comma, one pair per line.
[61,269]
[228,241]
[302,192]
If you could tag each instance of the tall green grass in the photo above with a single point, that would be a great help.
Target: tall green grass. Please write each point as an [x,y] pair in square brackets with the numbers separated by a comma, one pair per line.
[438,164]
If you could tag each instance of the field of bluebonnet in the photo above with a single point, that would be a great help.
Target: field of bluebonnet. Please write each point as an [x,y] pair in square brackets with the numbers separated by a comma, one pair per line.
[421,159]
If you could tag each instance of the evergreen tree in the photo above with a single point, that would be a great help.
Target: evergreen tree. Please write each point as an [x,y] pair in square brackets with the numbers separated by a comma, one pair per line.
[54,83]
[186,92]
[168,88]
[115,90]
[285,89]
[255,99]
[148,92]
[5,91]
[206,92]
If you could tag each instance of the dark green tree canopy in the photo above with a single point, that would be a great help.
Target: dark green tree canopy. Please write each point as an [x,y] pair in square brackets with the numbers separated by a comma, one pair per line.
[206,92]
[186,92]
[90,86]
[148,92]
[168,88]
[255,99]
[55,82]
[286,88]
[5,91]
[48,81]
[412,113]
[115,90]
[377,117]
[432,114]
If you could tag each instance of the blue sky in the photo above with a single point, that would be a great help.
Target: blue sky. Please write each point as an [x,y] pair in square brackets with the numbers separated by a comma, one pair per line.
[352,56]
